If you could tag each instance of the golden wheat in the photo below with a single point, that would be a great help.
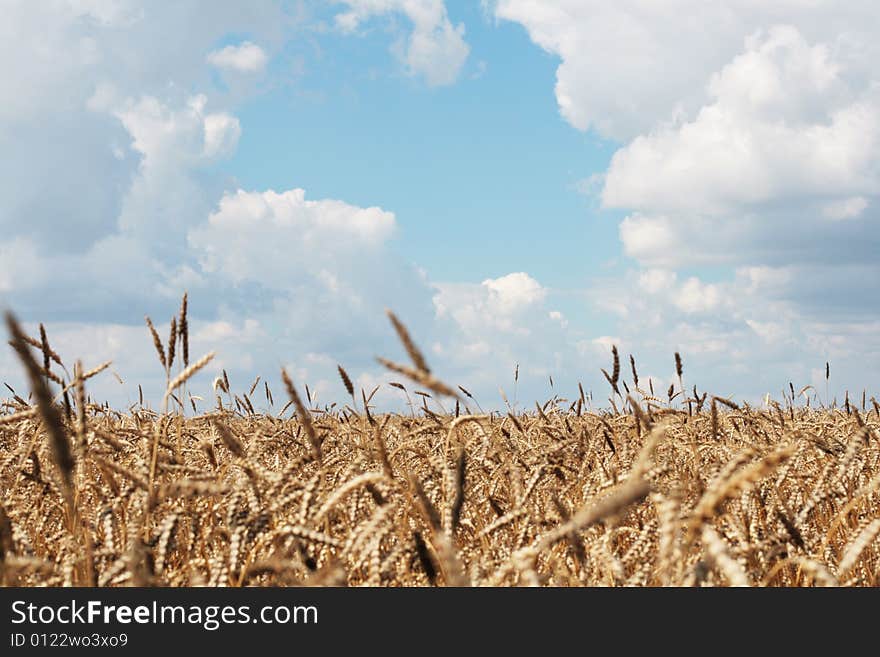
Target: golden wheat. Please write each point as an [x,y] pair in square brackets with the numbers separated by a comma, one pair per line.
[669,492]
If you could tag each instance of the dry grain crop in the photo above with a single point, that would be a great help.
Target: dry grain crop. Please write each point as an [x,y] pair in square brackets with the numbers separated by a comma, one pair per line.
[653,493]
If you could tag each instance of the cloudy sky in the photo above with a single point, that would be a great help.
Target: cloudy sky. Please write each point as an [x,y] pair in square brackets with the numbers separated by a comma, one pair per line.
[521,181]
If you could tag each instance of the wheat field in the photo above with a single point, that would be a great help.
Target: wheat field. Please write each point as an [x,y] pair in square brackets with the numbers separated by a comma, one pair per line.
[684,489]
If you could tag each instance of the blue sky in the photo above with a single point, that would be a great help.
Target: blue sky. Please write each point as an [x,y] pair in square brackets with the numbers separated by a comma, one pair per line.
[522,182]
[476,164]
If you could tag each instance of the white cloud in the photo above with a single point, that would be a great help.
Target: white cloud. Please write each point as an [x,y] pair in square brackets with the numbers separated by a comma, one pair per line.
[487,329]
[769,331]
[222,331]
[648,239]
[133,357]
[68,68]
[173,143]
[756,329]
[749,139]
[514,292]
[744,129]
[287,233]
[503,304]
[120,13]
[659,289]
[624,64]
[435,48]
[694,296]
[780,123]
[188,135]
[315,275]
[246,57]
[628,66]
[128,114]
[222,132]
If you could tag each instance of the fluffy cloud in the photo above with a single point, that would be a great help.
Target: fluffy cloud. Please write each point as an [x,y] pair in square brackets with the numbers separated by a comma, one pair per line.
[748,334]
[82,80]
[780,123]
[748,146]
[106,176]
[279,223]
[435,48]
[273,279]
[334,256]
[109,208]
[246,57]
[497,303]
[627,67]
[136,257]
[491,328]
[755,126]
[765,173]
[173,144]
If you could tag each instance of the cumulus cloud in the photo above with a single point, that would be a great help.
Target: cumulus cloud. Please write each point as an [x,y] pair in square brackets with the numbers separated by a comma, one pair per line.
[106,174]
[107,179]
[780,123]
[760,137]
[166,194]
[492,329]
[137,256]
[624,64]
[246,57]
[315,276]
[290,239]
[274,277]
[628,66]
[435,48]
[784,144]
[747,147]
[500,303]
[746,335]
[295,222]
[77,75]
